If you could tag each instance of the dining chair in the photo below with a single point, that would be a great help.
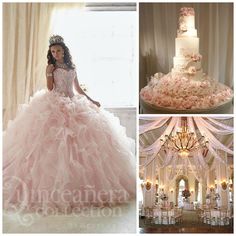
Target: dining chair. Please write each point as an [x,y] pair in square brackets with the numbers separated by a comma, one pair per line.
[224,217]
[156,217]
[207,216]
[200,215]
[148,215]
[176,217]
[165,216]
[215,217]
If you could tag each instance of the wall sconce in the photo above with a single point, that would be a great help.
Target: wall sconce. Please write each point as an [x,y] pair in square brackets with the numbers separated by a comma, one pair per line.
[215,183]
[172,190]
[224,184]
[211,188]
[142,185]
[162,188]
[157,185]
[147,184]
[191,191]
[230,183]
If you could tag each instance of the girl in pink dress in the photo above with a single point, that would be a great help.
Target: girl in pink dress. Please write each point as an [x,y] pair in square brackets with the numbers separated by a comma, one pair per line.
[63,152]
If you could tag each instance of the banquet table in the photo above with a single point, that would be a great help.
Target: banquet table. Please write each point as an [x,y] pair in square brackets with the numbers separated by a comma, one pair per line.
[148,108]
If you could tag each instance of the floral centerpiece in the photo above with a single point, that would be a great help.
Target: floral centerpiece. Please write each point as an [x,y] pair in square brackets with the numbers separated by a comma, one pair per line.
[186,193]
[217,196]
[163,197]
[156,198]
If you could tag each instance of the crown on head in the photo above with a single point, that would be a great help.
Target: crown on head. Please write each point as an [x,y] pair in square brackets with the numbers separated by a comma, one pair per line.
[56,39]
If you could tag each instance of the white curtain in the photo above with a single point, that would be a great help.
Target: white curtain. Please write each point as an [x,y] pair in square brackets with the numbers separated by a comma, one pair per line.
[158,29]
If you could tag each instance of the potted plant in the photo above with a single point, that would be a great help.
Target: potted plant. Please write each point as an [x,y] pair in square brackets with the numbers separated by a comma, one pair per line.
[163,197]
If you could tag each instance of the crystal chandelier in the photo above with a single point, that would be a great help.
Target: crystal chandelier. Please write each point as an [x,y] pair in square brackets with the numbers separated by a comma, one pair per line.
[183,141]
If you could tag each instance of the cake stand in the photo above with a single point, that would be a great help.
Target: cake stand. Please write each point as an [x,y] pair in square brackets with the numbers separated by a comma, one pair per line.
[223,108]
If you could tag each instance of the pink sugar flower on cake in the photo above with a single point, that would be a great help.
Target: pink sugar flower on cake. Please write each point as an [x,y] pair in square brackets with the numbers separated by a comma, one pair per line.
[182,27]
[196,57]
[192,70]
[187,11]
[147,96]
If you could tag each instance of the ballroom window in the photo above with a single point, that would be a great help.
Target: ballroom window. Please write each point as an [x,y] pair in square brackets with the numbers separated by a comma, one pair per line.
[181,188]
[102,41]
[140,192]
[199,192]
[230,196]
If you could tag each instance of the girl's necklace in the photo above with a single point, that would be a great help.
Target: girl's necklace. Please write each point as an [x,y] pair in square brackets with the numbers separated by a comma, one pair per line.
[61,65]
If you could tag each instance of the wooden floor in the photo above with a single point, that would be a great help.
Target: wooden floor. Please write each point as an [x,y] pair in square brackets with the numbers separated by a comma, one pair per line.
[190,225]
[183,229]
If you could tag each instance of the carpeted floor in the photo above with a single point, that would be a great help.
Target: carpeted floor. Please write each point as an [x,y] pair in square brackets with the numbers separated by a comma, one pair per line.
[190,225]
[108,220]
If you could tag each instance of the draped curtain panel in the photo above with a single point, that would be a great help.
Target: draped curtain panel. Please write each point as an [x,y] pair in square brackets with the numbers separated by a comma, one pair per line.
[158,24]
[26,30]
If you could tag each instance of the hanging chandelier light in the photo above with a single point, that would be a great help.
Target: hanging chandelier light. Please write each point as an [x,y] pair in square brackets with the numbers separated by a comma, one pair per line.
[183,141]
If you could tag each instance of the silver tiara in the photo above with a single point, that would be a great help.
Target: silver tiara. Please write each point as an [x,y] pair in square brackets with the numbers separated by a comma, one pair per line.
[56,39]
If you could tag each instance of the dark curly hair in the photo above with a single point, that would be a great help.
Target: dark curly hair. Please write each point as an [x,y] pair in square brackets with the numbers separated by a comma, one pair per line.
[67,56]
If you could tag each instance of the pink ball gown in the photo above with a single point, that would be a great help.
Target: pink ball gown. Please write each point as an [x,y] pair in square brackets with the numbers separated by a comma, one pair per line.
[62,152]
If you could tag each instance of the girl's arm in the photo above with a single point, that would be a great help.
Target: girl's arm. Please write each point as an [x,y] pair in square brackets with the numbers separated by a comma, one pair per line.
[81,91]
[49,75]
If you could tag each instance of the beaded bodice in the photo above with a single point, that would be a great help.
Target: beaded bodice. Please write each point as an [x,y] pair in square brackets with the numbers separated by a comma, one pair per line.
[63,81]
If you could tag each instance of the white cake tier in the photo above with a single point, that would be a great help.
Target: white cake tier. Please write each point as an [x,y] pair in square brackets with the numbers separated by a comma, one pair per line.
[186,22]
[186,46]
[187,33]
[196,76]
[186,62]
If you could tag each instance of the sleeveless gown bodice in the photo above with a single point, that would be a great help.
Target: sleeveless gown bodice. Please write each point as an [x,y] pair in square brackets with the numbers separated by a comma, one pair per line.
[63,81]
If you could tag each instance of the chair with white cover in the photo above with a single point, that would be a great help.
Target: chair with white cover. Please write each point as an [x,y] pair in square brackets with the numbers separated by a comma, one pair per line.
[176,217]
[148,211]
[165,216]
[224,217]
[156,215]
[215,217]
[207,216]
[200,215]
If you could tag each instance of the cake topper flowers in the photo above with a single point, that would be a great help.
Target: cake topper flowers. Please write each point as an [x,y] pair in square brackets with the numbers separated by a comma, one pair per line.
[187,11]
[196,57]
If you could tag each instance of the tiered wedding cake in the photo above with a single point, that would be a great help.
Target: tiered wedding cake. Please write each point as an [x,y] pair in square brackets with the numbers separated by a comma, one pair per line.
[186,86]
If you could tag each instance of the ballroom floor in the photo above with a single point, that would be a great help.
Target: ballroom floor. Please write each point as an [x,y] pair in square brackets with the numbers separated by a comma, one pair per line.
[190,225]
[122,221]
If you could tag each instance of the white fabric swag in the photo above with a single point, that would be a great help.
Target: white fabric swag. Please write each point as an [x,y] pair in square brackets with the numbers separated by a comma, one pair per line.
[197,162]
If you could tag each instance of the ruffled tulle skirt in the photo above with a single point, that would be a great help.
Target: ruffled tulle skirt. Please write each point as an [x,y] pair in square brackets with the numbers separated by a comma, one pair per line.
[62,153]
